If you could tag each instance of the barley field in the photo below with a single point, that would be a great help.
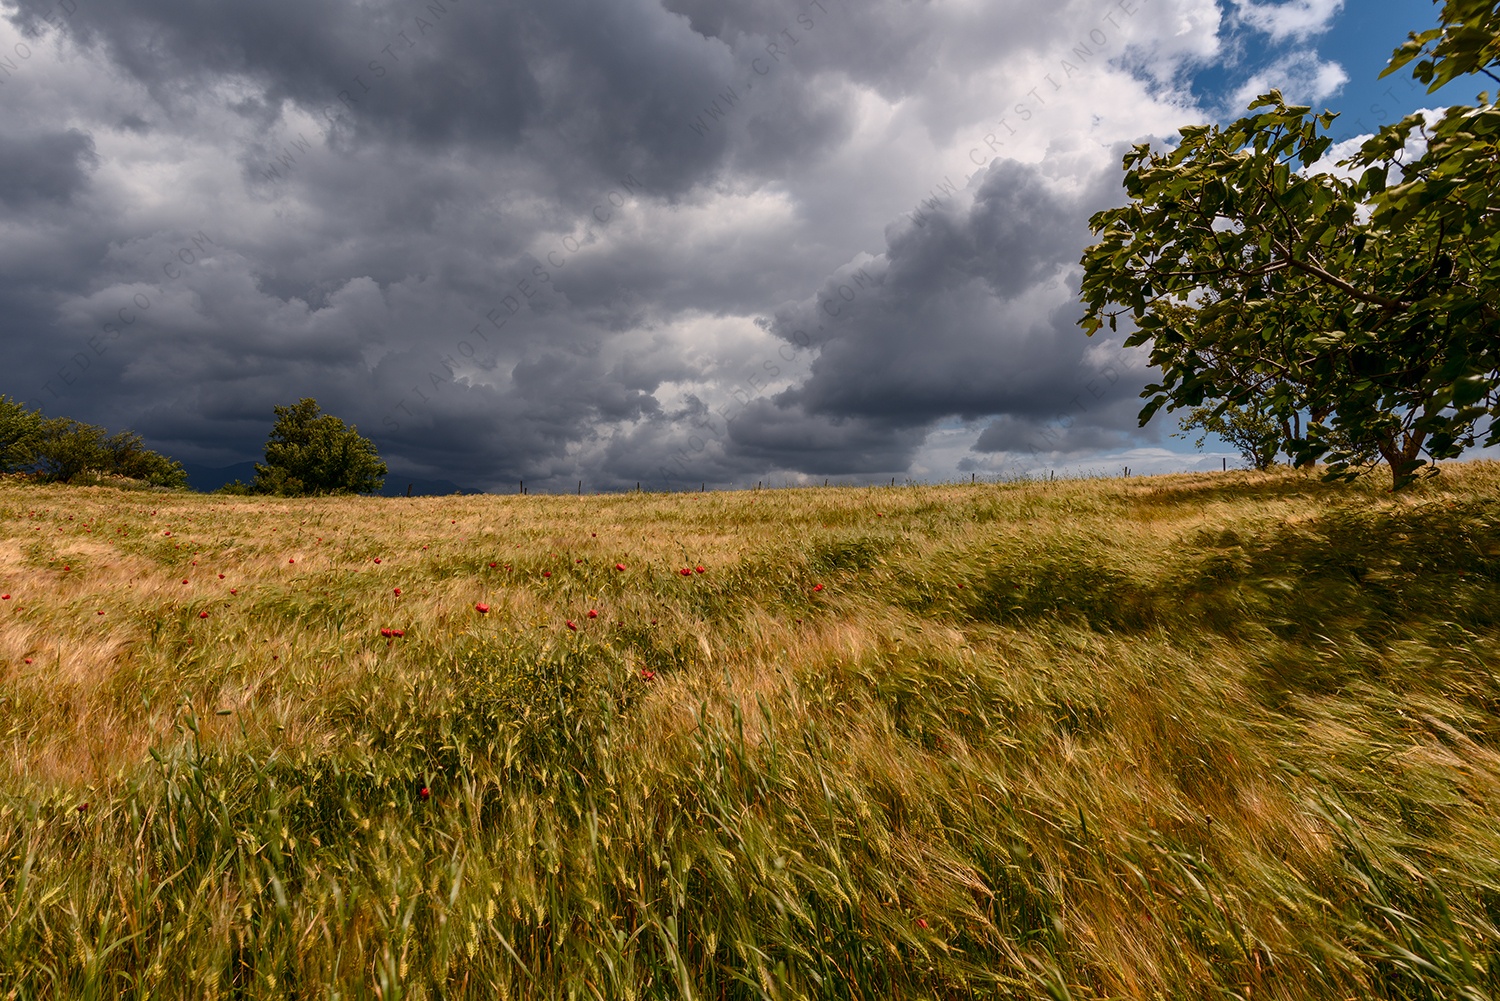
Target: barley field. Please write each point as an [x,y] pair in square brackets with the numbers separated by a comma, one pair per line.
[1199,736]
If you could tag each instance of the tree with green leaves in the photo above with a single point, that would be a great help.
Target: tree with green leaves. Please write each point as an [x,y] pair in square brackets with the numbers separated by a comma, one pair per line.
[310,452]
[1363,296]
[1255,435]
[21,433]
[126,455]
[65,450]
[71,449]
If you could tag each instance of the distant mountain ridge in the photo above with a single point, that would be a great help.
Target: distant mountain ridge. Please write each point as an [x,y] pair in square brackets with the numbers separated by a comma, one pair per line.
[207,479]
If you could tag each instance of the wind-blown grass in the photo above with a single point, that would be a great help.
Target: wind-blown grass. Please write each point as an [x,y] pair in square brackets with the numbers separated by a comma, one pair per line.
[1193,736]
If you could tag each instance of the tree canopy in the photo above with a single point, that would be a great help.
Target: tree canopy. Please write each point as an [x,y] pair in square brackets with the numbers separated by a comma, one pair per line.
[309,452]
[1256,436]
[1363,295]
[66,450]
[20,435]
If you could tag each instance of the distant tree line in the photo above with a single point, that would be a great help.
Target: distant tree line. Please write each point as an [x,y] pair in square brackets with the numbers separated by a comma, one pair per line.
[308,453]
[64,450]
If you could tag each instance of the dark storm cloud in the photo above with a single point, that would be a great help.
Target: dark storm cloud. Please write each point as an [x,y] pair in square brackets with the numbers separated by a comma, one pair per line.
[44,167]
[521,428]
[1081,424]
[605,88]
[775,436]
[312,53]
[943,325]
[529,239]
[698,445]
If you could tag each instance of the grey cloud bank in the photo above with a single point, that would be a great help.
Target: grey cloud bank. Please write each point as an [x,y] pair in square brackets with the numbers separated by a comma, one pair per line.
[563,240]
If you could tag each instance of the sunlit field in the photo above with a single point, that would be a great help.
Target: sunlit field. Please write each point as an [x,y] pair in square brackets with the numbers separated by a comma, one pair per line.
[1229,735]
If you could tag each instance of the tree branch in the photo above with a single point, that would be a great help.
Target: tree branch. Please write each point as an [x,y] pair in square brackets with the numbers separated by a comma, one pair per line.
[1339,283]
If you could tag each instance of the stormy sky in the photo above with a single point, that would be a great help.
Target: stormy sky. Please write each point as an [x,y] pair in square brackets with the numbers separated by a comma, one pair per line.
[661,241]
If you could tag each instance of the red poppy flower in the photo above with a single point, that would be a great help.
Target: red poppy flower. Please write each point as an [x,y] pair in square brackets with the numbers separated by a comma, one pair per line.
[201,615]
[234,590]
[424,792]
[481,607]
[921,923]
[686,571]
[289,560]
[648,675]
[593,614]
[593,535]
[492,566]
[386,633]
[398,632]
[397,591]
[100,612]
[67,568]
[619,566]
[28,660]
[572,625]
[4,597]
[377,559]
[184,580]
[700,569]
[221,576]
[195,563]
[817,587]
[83,808]
[546,573]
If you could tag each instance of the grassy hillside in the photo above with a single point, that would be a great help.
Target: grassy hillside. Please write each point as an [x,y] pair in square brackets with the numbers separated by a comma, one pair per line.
[1194,736]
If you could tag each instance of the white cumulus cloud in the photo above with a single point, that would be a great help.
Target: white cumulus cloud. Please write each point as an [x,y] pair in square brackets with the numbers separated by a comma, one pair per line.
[1293,19]
[1302,77]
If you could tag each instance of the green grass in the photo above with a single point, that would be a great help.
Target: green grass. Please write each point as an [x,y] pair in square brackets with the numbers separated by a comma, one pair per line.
[1229,736]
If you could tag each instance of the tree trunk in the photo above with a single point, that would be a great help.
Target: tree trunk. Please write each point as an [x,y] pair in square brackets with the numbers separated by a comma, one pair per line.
[1402,458]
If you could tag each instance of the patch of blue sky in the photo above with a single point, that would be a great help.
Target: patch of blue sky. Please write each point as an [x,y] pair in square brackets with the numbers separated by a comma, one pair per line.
[1355,43]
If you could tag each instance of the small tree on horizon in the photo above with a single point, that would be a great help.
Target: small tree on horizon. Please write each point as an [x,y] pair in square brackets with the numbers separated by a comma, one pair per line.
[1255,435]
[313,453]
